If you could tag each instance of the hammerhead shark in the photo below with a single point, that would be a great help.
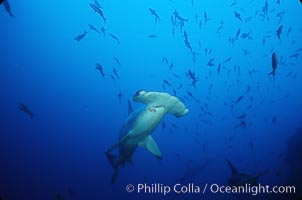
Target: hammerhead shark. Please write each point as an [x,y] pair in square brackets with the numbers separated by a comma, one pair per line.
[137,129]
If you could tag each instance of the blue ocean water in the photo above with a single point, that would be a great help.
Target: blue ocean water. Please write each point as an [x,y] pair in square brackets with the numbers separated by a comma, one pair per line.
[215,56]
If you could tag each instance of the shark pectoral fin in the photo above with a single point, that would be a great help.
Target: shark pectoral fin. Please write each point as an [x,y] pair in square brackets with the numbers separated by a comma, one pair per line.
[150,145]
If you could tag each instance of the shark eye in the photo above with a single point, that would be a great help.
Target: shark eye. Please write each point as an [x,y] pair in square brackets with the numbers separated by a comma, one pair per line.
[138,92]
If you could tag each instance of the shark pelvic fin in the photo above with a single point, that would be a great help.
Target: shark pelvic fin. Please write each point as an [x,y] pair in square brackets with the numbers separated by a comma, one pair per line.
[150,145]
[128,136]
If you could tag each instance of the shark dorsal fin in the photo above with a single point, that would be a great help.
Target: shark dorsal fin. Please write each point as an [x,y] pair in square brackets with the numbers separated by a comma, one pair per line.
[130,109]
[233,169]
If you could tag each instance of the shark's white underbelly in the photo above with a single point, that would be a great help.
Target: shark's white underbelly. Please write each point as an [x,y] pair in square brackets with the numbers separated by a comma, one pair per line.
[147,121]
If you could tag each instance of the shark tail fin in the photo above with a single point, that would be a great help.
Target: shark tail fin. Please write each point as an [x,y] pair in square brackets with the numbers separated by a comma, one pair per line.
[233,169]
[113,160]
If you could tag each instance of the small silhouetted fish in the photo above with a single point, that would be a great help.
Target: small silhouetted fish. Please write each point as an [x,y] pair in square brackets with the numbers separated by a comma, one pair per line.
[233,4]
[163,125]
[115,73]
[279,32]
[180,86]
[248,89]
[196,18]
[298,50]
[93,28]
[117,60]
[191,95]
[239,99]
[167,83]
[220,27]
[274,64]
[241,116]
[243,124]
[6,5]
[176,75]
[174,125]
[97,4]
[246,35]
[227,60]
[211,86]
[286,96]
[174,92]
[98,10]
[237,34]
[295,55]
[115,38]
[274,119]
[206,19]
[59,196]
[112,77]
[25,109]
[70,191]
[152,36]
[171,66]
[202,109]
[165,60]
[210,62]
[103,30]
[251,145]
[100,68]
[120,95]
[156,16]
[245,52]
[218,68]
[288,31]
[81,36]
[238,16]
[289,74]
